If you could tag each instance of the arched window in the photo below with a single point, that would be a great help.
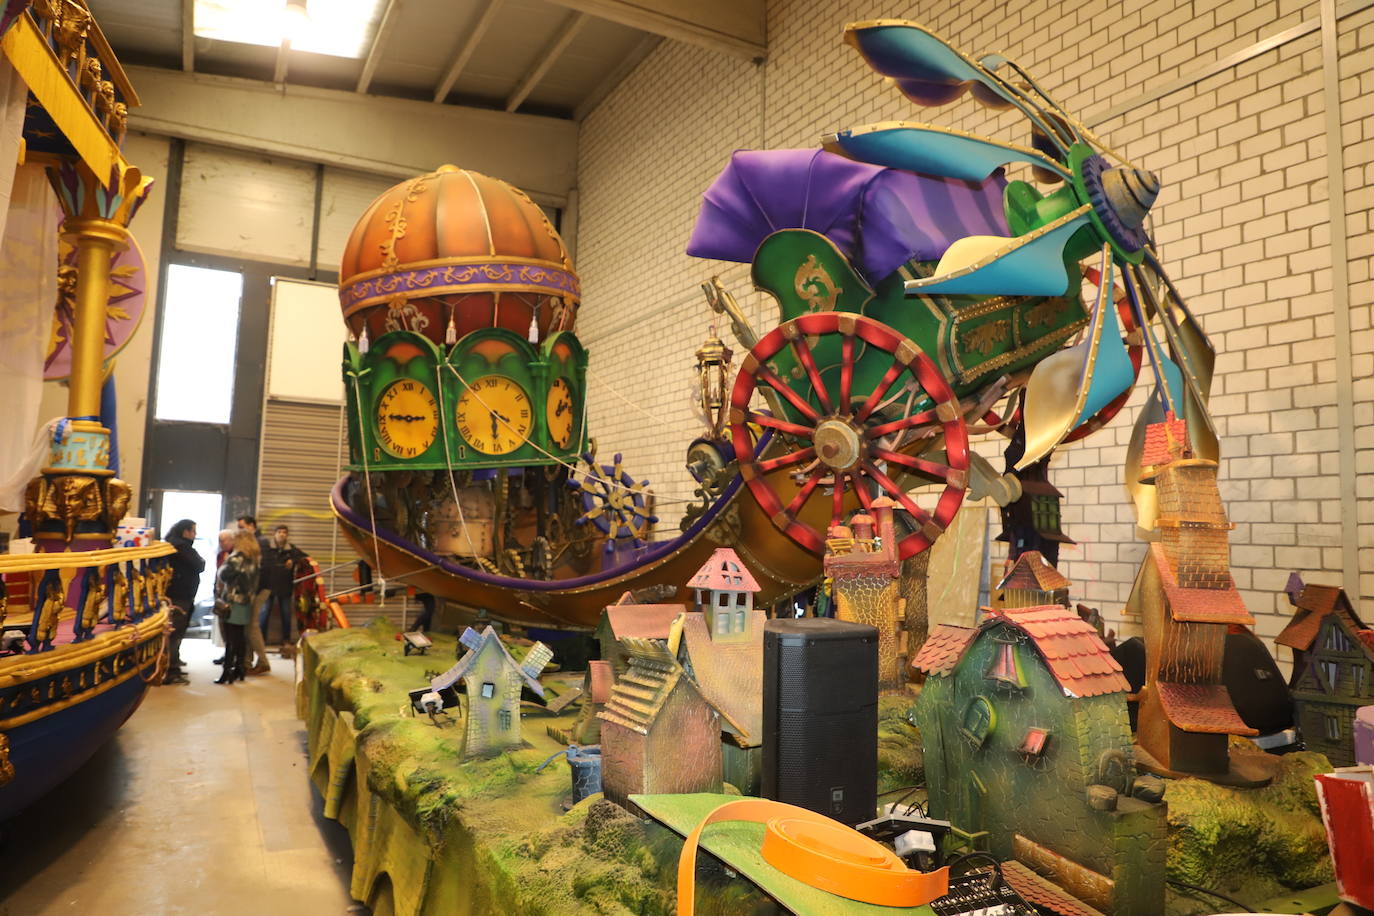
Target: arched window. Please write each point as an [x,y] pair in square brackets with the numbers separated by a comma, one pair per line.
[739,621]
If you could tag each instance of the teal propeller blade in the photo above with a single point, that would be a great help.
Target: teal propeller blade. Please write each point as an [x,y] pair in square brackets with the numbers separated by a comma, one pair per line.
[1027,265]
[933,150]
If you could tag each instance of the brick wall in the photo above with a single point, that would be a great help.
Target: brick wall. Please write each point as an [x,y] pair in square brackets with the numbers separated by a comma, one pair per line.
[1243,225]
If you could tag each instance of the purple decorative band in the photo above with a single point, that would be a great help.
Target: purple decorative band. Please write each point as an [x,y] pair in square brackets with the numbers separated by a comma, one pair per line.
[460,278]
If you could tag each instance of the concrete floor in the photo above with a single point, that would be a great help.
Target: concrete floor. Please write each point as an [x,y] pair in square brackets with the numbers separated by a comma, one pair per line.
[200,804]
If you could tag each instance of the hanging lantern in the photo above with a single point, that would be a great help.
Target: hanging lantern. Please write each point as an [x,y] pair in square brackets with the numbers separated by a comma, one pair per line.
[713,380]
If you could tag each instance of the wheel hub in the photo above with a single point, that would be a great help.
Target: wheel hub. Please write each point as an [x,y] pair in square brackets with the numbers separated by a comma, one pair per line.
[838,444]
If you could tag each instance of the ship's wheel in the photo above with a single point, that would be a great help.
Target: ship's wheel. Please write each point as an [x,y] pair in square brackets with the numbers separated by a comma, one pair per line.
[611,500]
[839,435]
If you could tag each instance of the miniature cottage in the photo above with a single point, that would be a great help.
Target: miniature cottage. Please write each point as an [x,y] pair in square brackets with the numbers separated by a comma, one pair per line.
[1031,522]
[658,733]
[722,651]
[596,693]
[493,681]
[638,621]
[1333,670]
[865,573]
[1031,582]
[1028,755]
[1186,599]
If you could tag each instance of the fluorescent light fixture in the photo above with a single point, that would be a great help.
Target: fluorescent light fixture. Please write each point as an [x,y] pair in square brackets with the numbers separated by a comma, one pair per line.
[339,28]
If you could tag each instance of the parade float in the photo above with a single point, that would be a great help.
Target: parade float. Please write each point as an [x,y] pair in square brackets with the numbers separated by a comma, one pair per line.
[82,616]
[924,296]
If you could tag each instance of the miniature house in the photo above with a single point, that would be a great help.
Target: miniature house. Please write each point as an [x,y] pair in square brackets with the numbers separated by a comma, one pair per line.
[637,621]
[1028,755]
[1186,599]
[493,681]
[722,651]
[1333,670]
[1031,582]
[658,733]
[596,693]
[1031,522]
[863,565]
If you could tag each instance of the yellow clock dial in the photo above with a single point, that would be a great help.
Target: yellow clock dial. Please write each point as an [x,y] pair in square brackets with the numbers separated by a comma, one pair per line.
[558,413]
[494,415]
[407,419]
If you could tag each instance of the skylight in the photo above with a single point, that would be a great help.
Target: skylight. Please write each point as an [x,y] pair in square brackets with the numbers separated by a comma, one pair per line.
[339,28]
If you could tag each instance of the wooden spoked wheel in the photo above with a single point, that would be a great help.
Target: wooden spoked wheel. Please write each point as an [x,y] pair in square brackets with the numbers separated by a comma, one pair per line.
[838,441]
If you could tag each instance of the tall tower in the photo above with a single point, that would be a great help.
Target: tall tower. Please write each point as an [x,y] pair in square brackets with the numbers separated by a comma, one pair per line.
[865,573]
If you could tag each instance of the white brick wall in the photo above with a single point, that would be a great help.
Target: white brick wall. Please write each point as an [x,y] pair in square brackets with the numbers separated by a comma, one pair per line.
[1242,225]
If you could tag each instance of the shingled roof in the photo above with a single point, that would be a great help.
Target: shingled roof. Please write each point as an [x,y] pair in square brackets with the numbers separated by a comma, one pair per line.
[1077,657]
[943,648]
[1032,571]
[1314,603]
[1160,440]
[1203,708]
[724,572]
[1198,605]
[729,673]
[1044,893]
[642,621]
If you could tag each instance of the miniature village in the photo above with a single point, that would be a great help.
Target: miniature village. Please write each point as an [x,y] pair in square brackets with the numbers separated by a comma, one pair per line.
[1015,757]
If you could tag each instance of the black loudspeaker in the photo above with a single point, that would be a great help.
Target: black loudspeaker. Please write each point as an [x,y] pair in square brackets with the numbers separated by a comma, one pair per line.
[820,716]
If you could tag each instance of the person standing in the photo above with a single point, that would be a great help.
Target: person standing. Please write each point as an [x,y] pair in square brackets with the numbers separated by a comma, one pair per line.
[258,662]
[278,565]
[187,565]
[238,583]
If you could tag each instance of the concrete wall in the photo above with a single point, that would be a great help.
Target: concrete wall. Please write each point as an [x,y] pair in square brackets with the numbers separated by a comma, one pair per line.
[1238,134]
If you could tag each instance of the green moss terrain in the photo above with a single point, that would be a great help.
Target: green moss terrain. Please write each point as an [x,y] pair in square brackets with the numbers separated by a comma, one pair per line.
[1252,844]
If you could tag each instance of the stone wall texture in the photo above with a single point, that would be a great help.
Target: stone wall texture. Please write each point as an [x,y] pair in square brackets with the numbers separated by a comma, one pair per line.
[1226,101]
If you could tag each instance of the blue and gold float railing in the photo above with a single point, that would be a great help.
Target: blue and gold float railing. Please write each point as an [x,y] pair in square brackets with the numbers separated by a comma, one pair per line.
[71,597]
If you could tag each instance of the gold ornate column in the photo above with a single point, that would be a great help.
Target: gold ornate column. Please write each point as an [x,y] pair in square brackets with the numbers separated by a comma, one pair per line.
[77,501]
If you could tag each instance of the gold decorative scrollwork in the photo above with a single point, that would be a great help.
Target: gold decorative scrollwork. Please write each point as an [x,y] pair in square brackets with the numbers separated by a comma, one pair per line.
[6,768]
[815,285]
[986,337]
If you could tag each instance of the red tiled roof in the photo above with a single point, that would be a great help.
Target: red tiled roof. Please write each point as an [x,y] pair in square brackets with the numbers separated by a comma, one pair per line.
[724,572]
[943,648]
[1033,571]
[1198,605]
[1043,893]
[1313,603]
[1157,441]
[1204,708]
[1078,658]
[600,675]
[642,621]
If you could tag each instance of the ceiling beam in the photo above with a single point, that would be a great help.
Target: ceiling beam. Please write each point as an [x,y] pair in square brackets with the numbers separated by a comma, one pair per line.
[368,133]
[733,26]
[188,35]
[279,71]
[571,26]
[616,76]
[374,54]
[460,60]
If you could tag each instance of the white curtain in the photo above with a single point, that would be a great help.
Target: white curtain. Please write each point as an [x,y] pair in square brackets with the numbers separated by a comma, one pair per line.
[28,292]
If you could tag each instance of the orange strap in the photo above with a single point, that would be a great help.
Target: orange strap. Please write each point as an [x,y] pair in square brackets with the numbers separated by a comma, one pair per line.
[817,851]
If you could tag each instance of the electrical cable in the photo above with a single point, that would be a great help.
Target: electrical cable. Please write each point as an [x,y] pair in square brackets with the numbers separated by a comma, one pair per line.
[1242,907]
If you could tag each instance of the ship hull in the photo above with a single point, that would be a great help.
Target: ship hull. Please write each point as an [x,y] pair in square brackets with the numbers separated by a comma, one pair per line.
[58,708]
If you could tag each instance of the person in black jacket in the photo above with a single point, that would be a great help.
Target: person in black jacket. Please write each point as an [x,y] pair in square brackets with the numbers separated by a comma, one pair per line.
[187,565]
[277,574]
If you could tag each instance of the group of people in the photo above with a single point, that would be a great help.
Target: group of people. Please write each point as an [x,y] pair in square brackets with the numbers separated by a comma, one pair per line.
[253,573]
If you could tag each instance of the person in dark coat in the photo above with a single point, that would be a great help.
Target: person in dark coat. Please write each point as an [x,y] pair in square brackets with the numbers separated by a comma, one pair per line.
[187,565]
[279,557]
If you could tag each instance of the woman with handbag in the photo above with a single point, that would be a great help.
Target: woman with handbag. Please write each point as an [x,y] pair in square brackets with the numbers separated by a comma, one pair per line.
[238,584]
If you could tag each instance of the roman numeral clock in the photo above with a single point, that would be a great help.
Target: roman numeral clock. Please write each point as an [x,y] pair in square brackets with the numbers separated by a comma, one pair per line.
[491,400]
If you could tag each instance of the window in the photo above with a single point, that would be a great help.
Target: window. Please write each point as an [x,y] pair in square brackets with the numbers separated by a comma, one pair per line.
[339,28]
[1335,639]
[503,719]
[200,326]
[739,621]
[722,622]
[1333,728]
[723,599]
[979,720]
[488,690]
[1357,679]
[1331,671]
[1004,667]
[1033,745]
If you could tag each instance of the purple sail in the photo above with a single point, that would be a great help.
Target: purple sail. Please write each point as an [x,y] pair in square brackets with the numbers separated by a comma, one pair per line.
[879,217]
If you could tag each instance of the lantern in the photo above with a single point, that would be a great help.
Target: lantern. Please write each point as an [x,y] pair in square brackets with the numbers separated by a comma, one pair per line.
[713,381]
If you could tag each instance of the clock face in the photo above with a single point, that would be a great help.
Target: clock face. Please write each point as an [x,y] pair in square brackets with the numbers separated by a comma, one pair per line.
[494,415]
[407,419]
[558,412]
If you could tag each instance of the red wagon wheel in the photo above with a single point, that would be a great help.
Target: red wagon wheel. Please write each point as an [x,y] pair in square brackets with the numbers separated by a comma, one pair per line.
[1135,351]
[838,433]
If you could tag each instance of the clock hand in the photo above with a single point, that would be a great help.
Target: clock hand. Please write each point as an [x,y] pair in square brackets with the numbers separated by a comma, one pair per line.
[404,417]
